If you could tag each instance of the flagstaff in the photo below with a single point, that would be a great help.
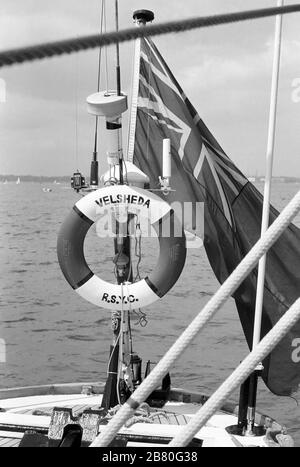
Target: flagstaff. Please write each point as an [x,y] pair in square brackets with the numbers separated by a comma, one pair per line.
[266,212]
[269,172]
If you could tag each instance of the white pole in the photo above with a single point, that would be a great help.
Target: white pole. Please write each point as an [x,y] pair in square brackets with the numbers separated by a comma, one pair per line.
[141,18]
[134,96]
[268,179]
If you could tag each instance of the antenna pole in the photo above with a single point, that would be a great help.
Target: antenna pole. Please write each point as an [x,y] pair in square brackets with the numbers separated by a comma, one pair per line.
[118,68]
[94,174]
[265,215]
[118,75]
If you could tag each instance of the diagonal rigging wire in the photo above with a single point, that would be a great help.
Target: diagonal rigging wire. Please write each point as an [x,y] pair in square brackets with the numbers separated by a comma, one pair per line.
[68,46]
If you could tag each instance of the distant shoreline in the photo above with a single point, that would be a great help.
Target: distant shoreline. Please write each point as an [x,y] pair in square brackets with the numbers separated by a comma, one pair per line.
[35,178]
[67,179]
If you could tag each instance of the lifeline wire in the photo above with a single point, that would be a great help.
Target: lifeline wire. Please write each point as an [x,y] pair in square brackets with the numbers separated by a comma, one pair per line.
[38,52]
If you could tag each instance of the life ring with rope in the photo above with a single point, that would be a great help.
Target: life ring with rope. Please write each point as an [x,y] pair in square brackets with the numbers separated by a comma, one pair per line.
[172,247]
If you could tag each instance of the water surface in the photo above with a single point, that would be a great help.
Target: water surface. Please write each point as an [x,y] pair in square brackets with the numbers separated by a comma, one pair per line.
[52,335]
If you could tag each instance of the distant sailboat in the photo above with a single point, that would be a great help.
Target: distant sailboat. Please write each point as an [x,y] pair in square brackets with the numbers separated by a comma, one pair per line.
[18,181]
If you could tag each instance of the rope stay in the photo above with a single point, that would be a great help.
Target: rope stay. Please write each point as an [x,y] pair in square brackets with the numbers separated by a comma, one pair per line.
[214,304]
[68,46]
[239,375]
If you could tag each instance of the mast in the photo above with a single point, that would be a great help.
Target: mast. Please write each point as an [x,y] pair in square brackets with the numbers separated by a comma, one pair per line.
[123,362]
[265,217]
[113,394]
[121,351]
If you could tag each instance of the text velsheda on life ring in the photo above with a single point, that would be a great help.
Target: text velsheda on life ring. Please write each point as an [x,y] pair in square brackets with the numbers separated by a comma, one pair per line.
[122,200]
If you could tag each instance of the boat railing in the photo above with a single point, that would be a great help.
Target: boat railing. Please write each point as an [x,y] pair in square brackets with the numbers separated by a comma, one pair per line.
[197,325]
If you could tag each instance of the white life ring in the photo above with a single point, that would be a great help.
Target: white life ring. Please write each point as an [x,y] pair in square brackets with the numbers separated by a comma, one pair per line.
[104,294]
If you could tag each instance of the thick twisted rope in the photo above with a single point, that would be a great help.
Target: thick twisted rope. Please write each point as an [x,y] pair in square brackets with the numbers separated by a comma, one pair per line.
[225,291]
[242,372]
[69,46]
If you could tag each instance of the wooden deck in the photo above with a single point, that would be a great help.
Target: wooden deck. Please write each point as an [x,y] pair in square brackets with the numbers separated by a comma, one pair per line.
[11,440]
[31,409]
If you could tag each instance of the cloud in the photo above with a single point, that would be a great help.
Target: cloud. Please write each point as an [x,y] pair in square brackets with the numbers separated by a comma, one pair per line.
[19,31]
[213,70]
[225,71]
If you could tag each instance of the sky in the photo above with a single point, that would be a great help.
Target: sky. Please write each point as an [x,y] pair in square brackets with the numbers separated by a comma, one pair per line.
[225,71]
